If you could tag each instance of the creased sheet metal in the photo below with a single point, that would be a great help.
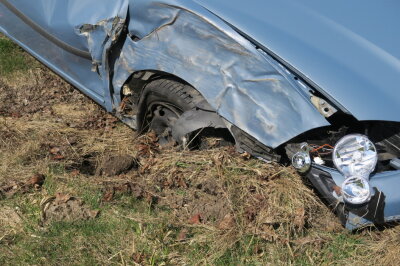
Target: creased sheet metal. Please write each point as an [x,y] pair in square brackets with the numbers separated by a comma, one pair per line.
[103,34]
[226,69]
[100,38]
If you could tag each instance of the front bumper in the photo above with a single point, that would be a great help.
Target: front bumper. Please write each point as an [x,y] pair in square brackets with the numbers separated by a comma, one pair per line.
[384,206]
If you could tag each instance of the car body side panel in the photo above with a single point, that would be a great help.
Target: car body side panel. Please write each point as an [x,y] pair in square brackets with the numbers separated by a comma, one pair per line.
[62,18]
[52,32]
[75,71]
[237,80]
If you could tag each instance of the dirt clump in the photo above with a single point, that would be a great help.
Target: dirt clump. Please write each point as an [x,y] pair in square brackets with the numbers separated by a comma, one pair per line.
[113,165]
[63,207]
[107,165]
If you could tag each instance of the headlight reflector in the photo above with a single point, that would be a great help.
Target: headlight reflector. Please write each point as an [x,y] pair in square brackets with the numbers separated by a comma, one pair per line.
[301,161]
[355,155]
[356,190]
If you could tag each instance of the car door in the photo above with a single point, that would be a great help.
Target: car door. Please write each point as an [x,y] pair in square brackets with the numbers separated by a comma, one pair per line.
[50,30]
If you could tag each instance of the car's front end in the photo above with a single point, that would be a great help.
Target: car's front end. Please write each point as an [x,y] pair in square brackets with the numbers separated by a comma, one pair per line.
[346,63]
[355,167]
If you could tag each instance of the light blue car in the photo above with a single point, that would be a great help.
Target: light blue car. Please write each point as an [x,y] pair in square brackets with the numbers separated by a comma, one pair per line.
[308,82]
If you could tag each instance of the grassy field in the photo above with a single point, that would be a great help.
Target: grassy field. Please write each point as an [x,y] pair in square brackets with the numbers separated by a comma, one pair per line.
[77,187]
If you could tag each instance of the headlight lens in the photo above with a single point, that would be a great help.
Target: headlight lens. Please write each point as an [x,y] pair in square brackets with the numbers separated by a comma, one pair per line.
[301,161]
[355,155]
[356,190]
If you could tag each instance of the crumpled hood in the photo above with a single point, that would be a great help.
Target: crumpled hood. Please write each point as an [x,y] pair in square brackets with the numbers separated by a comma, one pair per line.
[348,50]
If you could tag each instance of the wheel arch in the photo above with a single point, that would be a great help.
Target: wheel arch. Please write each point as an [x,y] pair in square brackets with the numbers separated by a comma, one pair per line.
[204,117]
[138,80]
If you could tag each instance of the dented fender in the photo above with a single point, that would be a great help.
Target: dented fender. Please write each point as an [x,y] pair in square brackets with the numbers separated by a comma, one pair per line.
[240,82]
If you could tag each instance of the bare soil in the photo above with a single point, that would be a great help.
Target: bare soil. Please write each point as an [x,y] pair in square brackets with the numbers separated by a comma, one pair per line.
[64,207]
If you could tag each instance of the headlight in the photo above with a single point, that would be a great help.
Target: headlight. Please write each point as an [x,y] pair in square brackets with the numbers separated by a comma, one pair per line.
[356,190]
[301,161]
[355,157]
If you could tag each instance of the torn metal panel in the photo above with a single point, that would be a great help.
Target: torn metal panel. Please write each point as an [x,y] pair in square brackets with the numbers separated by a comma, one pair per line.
[101,36]
[235,78]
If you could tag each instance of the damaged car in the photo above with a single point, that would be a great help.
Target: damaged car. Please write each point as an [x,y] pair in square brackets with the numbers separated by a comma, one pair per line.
[311,83]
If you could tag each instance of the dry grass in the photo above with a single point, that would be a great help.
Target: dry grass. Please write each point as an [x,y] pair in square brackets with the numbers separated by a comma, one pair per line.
[179,207]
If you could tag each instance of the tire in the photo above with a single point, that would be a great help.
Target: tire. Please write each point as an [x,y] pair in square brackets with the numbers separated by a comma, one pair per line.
[161,104]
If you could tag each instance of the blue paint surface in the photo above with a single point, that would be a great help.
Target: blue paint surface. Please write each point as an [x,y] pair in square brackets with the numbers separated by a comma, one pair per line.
[350,50]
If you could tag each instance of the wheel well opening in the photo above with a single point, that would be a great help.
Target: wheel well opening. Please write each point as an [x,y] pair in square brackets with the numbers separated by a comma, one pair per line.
[138,81]
[133,104]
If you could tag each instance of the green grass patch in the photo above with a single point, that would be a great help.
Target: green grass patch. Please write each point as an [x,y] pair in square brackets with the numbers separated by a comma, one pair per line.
[84,243]
[12,58]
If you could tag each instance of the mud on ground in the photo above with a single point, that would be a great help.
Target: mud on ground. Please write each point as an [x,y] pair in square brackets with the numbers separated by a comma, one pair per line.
[78,186]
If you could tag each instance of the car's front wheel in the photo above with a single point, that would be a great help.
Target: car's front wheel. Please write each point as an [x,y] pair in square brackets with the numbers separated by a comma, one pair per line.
[162,102]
